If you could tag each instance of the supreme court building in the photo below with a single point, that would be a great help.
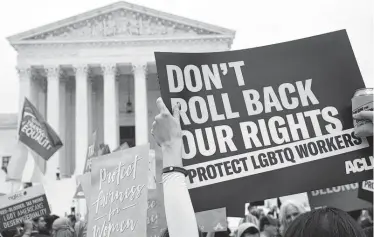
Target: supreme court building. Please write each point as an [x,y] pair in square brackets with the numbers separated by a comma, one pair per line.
[96,72]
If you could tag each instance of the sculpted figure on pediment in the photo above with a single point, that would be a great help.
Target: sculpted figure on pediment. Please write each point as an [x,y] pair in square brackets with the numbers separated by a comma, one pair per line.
[122,25]
[97,28]
[110,26]
[119,23]
[146,27]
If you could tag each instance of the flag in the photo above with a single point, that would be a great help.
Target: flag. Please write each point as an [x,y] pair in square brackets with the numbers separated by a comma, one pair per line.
[36,133]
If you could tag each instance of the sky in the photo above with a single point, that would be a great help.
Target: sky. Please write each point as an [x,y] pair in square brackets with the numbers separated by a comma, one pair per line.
[256,23]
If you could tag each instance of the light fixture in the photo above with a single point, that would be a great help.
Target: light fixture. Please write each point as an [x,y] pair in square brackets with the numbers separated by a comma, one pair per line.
[129,108]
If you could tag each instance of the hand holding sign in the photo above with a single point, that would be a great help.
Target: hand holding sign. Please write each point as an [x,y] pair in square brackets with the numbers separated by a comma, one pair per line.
[28,226]
[167,132]
[364,115]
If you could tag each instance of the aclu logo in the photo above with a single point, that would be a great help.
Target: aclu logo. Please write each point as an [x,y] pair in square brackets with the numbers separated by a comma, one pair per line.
[17,195]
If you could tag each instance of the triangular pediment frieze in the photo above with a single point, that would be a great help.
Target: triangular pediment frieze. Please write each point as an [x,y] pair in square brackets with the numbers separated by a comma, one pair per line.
[120,20]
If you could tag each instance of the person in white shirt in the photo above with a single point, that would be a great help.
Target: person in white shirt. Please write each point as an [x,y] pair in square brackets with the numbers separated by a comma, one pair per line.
[180,215]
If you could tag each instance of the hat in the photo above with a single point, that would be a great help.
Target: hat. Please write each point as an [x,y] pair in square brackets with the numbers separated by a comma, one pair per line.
[246,227]
[268,220]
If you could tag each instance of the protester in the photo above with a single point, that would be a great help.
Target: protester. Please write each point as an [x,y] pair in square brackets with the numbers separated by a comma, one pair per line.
[34,228]
[80,228]
[62,228]
[10,233]
[72,219]
[268,226]
[324,222]
[180,216]
[49,219]
[249,218]
[248,230]
[273,212]
[166,234]
[226,233]
[289,211]
[369,228]
[41,225]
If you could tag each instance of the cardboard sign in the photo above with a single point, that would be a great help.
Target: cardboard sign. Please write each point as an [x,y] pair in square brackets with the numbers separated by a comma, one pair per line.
[343,197]
[276,119]
[366,190]
[156,219]
[118,197]
[94,150]
[84,187]
[212,220]
[23,205]
[152,170]
[36,133]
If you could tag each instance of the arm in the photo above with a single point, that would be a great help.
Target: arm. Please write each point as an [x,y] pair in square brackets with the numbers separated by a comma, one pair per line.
[28,228]
[180,216]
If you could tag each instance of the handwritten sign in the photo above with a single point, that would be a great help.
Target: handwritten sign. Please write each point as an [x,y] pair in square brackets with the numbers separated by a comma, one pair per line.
[156,219]
[118,198]
[152,170]
[22,205]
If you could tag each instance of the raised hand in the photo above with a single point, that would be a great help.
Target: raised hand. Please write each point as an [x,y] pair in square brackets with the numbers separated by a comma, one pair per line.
[167,132]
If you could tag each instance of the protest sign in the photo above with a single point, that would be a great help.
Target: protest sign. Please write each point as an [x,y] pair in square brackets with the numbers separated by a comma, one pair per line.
[122,147]
[79,194]
[252,116]
[212,220]
[118,196]
[366,190]
[156,219]
[92,151]
[152,170]
[84,187]
[343,197]
[36,133]
[22,205]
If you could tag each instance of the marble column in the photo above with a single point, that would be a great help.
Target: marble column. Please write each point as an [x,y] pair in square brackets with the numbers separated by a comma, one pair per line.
[81,115]
[90,107]
[141,103]
[111,137]
[42,107]
[27,88]
[62,132]
[53,114]
[68,168]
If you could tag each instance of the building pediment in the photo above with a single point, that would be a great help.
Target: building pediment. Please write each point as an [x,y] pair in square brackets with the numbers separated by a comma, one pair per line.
[118,21]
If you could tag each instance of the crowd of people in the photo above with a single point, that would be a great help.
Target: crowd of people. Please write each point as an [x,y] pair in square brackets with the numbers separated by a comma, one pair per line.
[50,226]
[290,220]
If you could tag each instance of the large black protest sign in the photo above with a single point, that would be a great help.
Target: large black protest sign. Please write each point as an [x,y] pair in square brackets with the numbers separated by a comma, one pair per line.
[36,133]
[267,122]
[343,197]
[23,205]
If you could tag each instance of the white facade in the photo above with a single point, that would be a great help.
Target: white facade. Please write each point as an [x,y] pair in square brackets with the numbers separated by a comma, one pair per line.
[82,71]
[8,142]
